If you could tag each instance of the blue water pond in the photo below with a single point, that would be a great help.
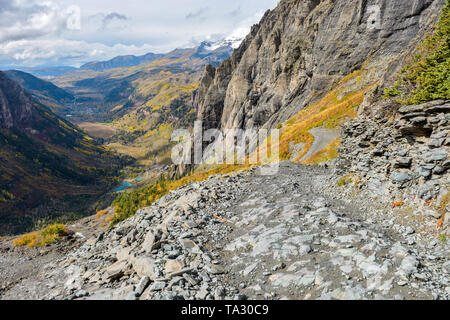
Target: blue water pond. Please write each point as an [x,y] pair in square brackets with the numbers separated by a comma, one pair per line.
[124,186]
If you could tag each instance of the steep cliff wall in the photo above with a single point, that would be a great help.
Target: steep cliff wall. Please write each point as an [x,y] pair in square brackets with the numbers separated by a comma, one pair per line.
[301,49]
[16,107]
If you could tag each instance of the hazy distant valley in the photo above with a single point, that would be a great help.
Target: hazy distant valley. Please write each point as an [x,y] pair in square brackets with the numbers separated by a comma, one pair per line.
[131,111]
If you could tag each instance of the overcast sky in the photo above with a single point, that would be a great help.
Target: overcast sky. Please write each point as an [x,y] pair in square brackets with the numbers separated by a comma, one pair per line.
[48,32]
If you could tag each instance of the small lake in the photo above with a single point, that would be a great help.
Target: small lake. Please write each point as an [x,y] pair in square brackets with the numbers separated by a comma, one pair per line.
[127,185]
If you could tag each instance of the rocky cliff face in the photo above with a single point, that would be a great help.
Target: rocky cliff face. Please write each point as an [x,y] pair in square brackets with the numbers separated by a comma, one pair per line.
[15,104]
[301,49]
[43,91]
[401,154]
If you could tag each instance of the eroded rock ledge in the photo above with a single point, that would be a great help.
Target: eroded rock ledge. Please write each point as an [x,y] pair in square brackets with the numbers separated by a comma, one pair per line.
[401,154]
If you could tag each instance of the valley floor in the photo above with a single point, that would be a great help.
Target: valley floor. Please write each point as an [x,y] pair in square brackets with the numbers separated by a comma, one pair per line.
[293,235]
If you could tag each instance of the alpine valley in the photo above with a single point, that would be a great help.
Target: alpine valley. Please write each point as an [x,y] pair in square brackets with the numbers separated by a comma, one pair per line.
[358,93]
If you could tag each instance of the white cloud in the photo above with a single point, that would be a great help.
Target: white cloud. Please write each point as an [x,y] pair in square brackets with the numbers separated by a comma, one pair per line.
[30,20]
[244,27]
[60,51]
[34,32]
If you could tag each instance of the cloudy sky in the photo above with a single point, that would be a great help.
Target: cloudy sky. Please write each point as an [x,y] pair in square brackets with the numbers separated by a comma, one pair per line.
[72,32]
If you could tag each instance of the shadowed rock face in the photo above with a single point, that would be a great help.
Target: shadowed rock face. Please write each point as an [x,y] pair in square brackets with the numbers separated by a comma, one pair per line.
[301,48]
[15,104]
[43,91]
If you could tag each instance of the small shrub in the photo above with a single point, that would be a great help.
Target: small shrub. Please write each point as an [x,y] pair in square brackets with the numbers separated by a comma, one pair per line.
[442,238]
[5,196]
[58,230]
[426,76]
[444,201]
[101,213]
[30,240]
[345,180]
[398,204]
[392,92]
[48,235]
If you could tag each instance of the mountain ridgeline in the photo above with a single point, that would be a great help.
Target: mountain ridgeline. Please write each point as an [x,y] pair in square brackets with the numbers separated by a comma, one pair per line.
[120,62]
[203,51]
[43,159]
[44,91]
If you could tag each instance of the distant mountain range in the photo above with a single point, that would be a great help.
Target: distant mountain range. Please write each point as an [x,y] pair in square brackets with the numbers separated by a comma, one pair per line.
[44,158]
[120,62]
[210,51]
[43,71]
[102,91]
[207,47]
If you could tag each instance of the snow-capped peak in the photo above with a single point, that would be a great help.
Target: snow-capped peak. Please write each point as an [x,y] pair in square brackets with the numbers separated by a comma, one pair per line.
[233,42]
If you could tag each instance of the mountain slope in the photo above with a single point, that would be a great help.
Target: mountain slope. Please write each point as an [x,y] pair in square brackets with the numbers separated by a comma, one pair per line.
[42,158]
[44,91]
[333,65]
[302,49]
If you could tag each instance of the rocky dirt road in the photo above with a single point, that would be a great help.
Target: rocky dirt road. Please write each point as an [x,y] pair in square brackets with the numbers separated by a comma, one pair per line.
[322,138]
[248,236]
